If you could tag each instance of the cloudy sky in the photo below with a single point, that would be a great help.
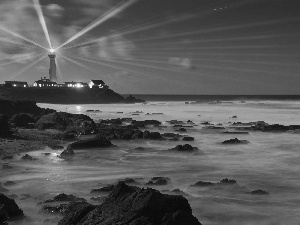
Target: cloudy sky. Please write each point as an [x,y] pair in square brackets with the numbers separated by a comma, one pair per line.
[157,46]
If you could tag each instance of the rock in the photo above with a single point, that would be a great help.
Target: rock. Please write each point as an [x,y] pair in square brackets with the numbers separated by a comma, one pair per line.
[185,148]
[22,119]
[96,142]
[235,141]
[133,206]
[4,129]
[182,130]
[7,157]
[202,184]
[145,123]
[140,148]
[227,181]
[9,183]
[63,121]
[234,117]
[137,134]
[152,135]
[68,152]
[259,192]
[9,210]
[188,139]
[235,132]
[128,181]
[54,208]
[65,198]
[27,157]
[108,188]
[158,181]
[3,189]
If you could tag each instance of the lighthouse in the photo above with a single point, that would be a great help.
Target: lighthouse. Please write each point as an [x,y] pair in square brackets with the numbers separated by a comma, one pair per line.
[52,70]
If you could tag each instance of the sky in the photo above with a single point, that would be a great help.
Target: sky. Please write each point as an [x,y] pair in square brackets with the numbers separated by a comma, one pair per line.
[248,47]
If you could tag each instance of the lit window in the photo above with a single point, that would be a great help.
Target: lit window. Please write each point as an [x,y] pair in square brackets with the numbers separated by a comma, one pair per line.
[15,85]
[40,85]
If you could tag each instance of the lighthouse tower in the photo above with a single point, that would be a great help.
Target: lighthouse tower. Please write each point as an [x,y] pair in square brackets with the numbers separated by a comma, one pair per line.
[52,70]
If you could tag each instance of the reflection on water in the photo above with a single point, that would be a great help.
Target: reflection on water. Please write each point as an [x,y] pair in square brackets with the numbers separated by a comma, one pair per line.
[270,162]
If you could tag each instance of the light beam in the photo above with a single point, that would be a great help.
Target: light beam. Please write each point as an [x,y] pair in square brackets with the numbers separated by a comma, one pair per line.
[109,14]
[20,36]
[41,17]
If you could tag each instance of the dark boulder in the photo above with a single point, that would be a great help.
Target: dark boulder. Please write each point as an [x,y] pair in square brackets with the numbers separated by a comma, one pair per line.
[65,121]
[65,198]
[235,141]
[227,181]
[158,181]
[202,184]
[27,157]
[137,134]
[188,139]
[182,130]
[9,183]
[185,148]
[4,129]
[133,206]
[9,210]
[152,135]
[259,192]
[68,152]
[96,142]
[22,119]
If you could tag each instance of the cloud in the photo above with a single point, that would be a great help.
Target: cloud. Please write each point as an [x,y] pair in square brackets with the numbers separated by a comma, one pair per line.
[184,63]
[108,48]
[54,10]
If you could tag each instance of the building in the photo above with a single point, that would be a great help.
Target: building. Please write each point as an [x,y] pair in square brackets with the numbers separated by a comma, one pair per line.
[75,84]
[52,70]
[21,84]
[97,84]
[44,82]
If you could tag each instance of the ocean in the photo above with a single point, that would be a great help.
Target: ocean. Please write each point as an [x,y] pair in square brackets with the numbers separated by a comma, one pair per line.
[269,162]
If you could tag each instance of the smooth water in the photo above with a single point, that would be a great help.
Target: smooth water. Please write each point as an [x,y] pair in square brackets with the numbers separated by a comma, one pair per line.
[270,162]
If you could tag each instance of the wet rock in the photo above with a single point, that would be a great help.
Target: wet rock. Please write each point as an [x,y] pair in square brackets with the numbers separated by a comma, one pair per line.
[96,142]
[145,123]
[235,132]
[158,181]
[214,128]
[234,117]
[98,199]
[132,206]
[3,189]
[9,183]
[137,134]
[68,152]
[206,123]
[152,135]
[235,141]
[65,198]
[7,157]
[106,189]
[9,210]
[178,191]
[259,192]
[188,139]
[4,129]
[27,157]
[185,148]
[182,130]
[64,121]
[22,119]
[54,209]
[76,212]
[227,181]
[47,154]
[202,184]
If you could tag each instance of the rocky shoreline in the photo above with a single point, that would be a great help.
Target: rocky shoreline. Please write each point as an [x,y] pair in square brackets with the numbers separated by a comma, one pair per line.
[25,127]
